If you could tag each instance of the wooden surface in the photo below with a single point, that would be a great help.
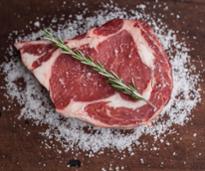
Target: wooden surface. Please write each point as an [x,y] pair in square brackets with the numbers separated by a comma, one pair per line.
[22,152]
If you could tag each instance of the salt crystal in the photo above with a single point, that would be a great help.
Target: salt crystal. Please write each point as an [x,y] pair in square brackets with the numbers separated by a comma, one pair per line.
[142,161]
[166,8]
[174,153]
[3,108]
[37,24]
[117,168]
[161,140]
[155,148]
[141,6]
[122,167]
[83,3]
[54,20]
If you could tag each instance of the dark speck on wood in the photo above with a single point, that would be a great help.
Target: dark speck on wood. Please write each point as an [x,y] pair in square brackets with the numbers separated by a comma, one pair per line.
[74,163]
[26,122]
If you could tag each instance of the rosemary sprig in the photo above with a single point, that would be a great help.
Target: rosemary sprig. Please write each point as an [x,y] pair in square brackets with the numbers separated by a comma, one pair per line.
[113,79]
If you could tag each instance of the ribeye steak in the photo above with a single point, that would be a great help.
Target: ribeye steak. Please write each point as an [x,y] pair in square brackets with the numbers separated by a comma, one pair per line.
[127,47]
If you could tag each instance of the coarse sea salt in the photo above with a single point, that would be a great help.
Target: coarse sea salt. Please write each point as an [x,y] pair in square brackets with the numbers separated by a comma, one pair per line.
[74,134]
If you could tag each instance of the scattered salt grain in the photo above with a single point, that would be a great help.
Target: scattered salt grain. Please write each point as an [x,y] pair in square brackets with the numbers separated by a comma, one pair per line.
[141,6]
[117,168]
[167,143]
[178,16]
[166,8]
[161,140]
[54,20]
[3,108]
[161,164]
[195,134]
[83,4]
[142,161]
[37,24]
[154,148]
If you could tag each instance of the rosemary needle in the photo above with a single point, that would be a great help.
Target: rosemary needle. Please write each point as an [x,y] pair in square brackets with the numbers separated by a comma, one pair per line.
[112,78]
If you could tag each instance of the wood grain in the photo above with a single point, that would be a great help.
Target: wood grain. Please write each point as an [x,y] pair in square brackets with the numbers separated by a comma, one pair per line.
[22,152]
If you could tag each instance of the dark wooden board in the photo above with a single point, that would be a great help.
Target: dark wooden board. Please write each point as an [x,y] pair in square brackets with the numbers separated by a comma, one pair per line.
[22,152]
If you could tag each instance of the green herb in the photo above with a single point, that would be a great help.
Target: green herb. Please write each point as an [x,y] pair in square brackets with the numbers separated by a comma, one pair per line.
[112,78]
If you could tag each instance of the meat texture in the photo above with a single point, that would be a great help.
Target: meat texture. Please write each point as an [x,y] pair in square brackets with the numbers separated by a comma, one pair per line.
[127,47]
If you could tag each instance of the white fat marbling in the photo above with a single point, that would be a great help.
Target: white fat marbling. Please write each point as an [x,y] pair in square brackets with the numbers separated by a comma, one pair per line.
[43,72]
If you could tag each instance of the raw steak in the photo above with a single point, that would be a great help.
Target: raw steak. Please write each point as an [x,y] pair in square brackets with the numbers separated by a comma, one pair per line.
[127,47]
